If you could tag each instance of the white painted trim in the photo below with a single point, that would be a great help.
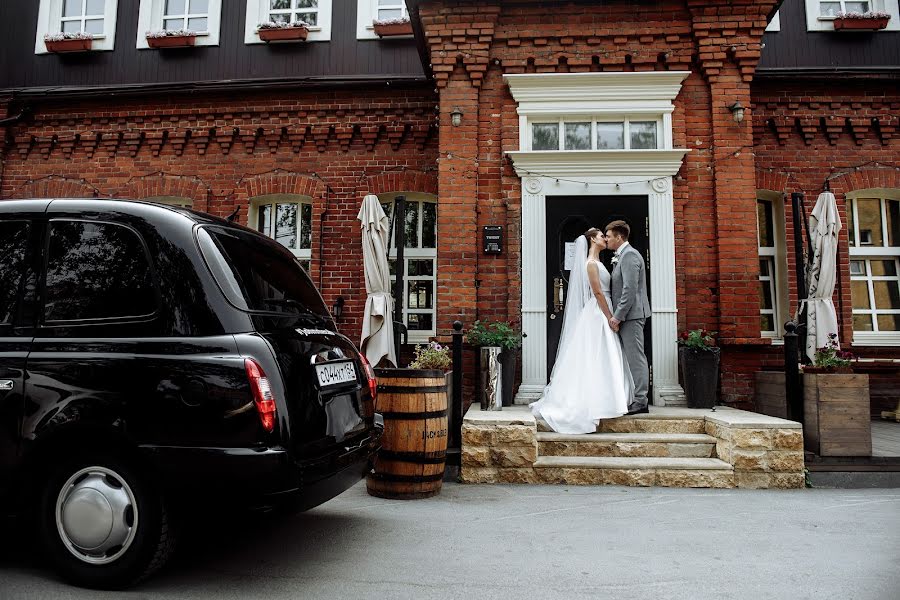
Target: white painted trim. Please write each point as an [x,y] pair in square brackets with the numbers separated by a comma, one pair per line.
[257,12]
[876,339]
[150,18]
[50,13]
[775,23]
[648,164]
[594,88]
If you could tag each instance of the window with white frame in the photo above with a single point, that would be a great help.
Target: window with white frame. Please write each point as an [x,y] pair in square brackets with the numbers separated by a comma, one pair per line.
[874,232]
[772,263]
[286,218]
[420,256]
[316,13]
[94,17]
[586,133]
[179,201]
[200,16]
[369,11]
[821,13]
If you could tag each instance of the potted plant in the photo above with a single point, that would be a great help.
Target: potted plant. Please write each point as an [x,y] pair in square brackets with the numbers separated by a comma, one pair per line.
[499,342]
[413,403]
[69,42]
[868,21]
[171,38]
[699,357]
[392,27]
[278,31]
[836,419]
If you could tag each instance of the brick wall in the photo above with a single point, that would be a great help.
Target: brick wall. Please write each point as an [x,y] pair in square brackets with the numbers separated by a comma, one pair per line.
[220,152]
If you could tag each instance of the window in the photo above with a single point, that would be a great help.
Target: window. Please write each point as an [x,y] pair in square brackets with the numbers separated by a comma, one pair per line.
[97,17]
[595,134]
[287,219]
[256,275]
[772,263]
[420,256]
[368,11]
[96,271]
[821,13]
[179,201]
[874,232]
[13,248]
[201,16]
[317,13]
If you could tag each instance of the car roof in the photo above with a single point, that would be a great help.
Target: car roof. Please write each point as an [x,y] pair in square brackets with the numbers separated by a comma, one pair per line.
[138,208]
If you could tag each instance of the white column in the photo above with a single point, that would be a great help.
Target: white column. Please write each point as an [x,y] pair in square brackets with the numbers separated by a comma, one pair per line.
[666,390]
[534,300]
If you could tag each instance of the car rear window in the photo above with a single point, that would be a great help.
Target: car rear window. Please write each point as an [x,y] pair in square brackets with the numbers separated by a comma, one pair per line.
[257,274]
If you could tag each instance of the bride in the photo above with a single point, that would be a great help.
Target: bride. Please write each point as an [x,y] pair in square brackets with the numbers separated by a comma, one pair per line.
[590,379]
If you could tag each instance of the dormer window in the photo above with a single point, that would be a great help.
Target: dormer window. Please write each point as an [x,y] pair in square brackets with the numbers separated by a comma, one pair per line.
[201,17]
[94,19]
[387,10]
[382,19]
[315,13]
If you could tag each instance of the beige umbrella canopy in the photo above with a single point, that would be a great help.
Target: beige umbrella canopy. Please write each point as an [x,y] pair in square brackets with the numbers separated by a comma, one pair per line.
[821,318]
[377,328]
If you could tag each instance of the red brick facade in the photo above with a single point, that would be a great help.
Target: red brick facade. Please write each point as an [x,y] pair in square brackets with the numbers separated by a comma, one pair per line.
[335,147]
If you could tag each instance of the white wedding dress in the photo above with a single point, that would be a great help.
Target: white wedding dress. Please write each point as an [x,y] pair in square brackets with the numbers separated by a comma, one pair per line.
[591,379]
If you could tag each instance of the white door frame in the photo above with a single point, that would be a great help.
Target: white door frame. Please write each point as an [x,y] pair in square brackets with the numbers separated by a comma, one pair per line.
[607,173]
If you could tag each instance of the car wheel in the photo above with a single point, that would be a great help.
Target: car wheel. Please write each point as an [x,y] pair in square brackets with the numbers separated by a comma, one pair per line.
[103,524]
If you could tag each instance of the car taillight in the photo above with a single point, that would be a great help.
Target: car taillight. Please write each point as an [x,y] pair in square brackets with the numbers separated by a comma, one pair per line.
[370,376]
[262,394]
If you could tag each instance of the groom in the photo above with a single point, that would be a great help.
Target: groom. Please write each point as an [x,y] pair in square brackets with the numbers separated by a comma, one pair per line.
[628,288]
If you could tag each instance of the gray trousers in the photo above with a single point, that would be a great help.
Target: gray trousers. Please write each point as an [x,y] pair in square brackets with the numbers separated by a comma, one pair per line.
[632,334]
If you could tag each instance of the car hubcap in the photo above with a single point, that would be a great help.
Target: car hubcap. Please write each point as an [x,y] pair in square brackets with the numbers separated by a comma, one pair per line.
[96,515]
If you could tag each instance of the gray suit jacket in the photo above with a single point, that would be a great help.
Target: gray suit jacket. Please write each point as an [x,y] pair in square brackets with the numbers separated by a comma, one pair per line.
[628,287]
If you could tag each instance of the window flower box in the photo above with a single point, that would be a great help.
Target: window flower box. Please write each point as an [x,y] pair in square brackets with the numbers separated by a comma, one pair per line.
[392,28]
[182,38]
[69,42]
[283,32]
[871,21]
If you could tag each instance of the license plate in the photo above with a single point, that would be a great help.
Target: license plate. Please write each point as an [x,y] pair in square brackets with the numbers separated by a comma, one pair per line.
[335,373]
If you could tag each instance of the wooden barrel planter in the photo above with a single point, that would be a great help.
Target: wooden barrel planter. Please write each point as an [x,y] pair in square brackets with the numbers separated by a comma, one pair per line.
[410,463]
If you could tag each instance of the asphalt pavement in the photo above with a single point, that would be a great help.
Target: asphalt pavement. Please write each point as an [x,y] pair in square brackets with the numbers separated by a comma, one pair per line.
[521,542]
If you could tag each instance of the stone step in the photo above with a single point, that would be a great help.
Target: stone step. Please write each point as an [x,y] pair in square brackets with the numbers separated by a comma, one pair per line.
[645,423]
[673,445]
[634,471]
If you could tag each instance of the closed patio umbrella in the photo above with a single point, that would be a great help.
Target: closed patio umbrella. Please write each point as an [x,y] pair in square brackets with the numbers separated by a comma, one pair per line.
[377,340]
[821,318]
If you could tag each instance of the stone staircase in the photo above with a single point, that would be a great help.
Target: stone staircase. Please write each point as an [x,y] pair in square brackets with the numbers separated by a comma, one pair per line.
[638,450]
[670,447]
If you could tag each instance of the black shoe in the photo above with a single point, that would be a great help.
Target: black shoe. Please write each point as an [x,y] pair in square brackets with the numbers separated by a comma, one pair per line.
[638,411]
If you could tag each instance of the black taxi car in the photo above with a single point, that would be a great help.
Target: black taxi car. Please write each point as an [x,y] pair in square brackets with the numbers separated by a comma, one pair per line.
[152,355]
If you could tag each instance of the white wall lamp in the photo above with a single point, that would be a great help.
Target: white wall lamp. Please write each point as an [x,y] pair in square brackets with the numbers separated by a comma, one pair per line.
[737,111]
[456,116]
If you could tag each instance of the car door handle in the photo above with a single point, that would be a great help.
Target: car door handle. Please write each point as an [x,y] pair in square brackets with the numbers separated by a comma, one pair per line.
[6,385]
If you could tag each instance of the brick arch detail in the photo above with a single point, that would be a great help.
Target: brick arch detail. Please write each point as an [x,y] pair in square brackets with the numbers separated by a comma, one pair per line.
[162,184]
[773,181]
[279,182]
[55,186]
[401,181]
[865,178]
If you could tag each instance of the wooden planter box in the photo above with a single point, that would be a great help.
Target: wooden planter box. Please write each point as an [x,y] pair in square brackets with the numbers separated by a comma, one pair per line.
[69,45]
[860,24]
[393,29]
[283,34]
[836,414]
[770,396]
[172,41]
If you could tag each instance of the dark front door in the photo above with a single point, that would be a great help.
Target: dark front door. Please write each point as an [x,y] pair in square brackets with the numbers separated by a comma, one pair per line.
[567,218]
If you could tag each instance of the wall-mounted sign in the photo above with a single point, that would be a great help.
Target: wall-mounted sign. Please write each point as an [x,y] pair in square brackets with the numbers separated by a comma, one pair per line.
[493,239]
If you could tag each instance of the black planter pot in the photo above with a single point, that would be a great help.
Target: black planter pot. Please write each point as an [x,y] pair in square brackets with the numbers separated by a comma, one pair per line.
[700,374]
[507,375]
